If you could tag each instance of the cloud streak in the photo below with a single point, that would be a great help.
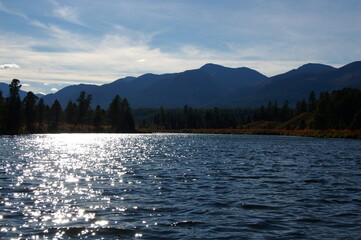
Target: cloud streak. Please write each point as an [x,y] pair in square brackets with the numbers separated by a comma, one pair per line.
[8,66]
[67,13]
[98,43]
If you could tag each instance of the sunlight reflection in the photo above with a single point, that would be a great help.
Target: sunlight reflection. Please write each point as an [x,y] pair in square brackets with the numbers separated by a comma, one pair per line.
[69,179]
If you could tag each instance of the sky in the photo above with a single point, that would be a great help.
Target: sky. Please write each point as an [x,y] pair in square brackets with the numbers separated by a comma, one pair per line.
[49,44]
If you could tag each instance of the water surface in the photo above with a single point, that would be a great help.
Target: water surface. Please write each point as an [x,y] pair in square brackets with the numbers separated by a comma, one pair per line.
[179,186]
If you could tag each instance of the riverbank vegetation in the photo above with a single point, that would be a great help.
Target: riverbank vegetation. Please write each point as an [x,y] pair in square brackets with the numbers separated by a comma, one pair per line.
[31,115]
[335,114]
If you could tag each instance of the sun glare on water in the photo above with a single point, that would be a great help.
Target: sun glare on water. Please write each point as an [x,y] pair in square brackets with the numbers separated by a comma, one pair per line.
[64,167]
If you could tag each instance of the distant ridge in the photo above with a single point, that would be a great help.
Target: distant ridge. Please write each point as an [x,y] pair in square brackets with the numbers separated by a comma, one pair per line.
[214,85]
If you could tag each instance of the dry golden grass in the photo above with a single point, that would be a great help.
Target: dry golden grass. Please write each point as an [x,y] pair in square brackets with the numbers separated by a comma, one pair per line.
[332,133]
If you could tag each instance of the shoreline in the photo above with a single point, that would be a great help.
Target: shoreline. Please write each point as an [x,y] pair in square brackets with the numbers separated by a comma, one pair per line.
[330,133]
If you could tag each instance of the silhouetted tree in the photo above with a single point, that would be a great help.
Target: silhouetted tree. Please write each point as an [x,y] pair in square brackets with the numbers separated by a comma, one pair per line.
[2,113]
[286,112]
[13,102]
[262,113]
[301,107]
[120,115]
[84,101]
[98,119]
[127,121]
[356,123]
[30,111]
[40,108]
[114,113]
[312,102]
[323,116]
[345,104]
[55,116]
[71,112]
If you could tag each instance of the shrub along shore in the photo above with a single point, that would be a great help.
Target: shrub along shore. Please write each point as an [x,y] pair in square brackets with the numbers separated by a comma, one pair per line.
[330,133]
[332,115]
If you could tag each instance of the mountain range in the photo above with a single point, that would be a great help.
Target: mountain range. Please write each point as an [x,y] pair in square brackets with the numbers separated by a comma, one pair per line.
[214,86]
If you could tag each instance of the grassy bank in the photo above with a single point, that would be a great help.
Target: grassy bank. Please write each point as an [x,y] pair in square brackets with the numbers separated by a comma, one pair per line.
[332,133]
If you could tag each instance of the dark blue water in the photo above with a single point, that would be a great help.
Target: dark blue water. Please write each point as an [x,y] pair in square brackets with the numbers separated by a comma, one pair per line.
[179,186]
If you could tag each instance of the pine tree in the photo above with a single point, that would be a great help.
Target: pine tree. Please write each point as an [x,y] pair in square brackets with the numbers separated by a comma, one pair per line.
[114,113]
[312,102]
[30,111]
[323,116]
[13,102]
[127,121]
[356,122]
[71,112]
[98,119]
[55,116]
[2,113]
[84,101]
[40,109]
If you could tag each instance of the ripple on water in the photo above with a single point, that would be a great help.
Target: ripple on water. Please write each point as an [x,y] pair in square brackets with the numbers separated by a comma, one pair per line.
[179,186]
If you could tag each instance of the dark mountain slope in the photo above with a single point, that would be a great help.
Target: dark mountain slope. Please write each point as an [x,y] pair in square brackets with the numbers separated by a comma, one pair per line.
[232,78]
[214,85]
[68,93]
[193,87]
[296,86]
[304,69]
[307,68]
[125,88]
[4,88]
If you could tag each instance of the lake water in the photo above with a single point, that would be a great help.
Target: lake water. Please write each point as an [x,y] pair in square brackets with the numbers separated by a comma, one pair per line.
[179,186]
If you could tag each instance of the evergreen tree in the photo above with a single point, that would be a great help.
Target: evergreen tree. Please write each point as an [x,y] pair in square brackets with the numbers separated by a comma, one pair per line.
[275,112]
[84,101]
[71,112]
[262,113]
[269,111]
[2,113]
[301,107]
[323,116]
[356,123]
[114,113]
[55,116]
[127,121]
[30,111]
[98,119]
[286,112]
[312,102]
[40,108]
[13,102]
[345,103]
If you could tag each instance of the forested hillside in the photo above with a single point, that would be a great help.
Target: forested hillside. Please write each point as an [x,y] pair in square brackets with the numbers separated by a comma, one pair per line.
[31,115]
[340,109]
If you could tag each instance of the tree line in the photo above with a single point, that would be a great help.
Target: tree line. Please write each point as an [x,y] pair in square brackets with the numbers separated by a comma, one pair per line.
[32,115]
[339,109]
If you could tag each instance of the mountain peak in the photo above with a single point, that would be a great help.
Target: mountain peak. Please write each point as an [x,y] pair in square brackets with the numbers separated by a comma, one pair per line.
[314,68]
[209,66]
[232,78]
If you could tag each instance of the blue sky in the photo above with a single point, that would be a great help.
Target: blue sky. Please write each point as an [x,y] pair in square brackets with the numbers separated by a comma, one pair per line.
[49,44]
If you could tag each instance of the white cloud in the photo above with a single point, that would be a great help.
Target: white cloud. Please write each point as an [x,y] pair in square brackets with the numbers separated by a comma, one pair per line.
[7,10]
[68,13]
[100,60]
[26,85]
[8,66]
[54,89]
[68,57]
